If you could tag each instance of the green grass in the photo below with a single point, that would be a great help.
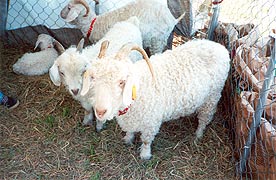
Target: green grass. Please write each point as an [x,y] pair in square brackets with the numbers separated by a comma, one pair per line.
[95,176]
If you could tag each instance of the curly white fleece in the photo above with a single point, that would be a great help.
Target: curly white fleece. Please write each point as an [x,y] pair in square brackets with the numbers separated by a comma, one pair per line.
[37,63]
[188,79]
[72,63]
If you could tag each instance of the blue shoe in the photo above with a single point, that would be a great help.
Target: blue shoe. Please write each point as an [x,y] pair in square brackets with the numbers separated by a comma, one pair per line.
[10,102]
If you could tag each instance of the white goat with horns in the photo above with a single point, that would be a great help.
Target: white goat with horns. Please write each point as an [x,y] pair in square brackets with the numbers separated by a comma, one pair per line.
[156,21]
[69,67]
[187,79]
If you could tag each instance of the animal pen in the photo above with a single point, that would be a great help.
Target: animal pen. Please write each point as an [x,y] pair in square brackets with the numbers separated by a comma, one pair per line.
[44,138]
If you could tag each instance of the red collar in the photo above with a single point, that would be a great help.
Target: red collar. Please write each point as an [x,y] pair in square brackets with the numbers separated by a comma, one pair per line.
[122,112]
[217,2]
[90,28]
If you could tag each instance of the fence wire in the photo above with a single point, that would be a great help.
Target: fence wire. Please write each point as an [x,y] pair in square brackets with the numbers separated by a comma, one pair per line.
[22,13]
[246,28]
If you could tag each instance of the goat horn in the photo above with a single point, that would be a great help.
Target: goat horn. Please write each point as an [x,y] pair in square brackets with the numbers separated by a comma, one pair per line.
[84,3]
[59,47]
[127,48]
[80,45]
[103,49]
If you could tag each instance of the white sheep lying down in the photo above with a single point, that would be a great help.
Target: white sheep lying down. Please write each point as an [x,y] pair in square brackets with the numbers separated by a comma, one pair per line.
[71,64]
[156,21]
[38,63]
[181,81]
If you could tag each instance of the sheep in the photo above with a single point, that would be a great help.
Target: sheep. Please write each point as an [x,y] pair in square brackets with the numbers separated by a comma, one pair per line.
[181,81]
[156,21]
[37,63]
[70,65]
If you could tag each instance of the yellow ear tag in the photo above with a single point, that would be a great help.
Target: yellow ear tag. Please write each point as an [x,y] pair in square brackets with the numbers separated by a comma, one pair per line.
[85,74]
[133,92]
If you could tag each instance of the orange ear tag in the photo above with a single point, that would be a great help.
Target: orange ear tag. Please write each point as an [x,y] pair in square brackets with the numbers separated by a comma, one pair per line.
[133,92]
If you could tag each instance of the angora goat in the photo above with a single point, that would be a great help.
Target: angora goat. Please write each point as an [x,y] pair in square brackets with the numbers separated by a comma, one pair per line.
[38,63]
[69,66]
[182,81]
[156,21]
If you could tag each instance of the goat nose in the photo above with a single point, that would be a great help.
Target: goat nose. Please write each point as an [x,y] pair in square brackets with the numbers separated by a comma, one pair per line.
[75,91]
[100,112]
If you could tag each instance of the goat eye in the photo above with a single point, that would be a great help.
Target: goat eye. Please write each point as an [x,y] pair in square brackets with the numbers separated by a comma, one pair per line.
[61,73]
[122,83]
[92,77]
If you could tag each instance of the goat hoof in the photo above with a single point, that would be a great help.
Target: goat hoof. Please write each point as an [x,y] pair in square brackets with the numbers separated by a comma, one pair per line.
[146,157]
[87,123]
[145,154]
[128,143]
[100,127]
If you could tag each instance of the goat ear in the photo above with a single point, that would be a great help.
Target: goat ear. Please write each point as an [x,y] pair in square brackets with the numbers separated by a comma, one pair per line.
[80,45]
[59,47]
[54,74]
[129,92]
[85,82]
[37,44]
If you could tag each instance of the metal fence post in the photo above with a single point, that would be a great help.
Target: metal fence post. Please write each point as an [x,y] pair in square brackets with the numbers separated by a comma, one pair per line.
[3,16]
[259,111]
[214,21]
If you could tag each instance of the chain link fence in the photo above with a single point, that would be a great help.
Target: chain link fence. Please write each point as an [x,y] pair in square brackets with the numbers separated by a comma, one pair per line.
[31,18]
[34,14]
[247,29]
[22,13]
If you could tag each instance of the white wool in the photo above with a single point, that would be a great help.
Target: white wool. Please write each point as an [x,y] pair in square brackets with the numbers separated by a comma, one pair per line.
[73,63]
[156,21]
[37,63]
[187,79]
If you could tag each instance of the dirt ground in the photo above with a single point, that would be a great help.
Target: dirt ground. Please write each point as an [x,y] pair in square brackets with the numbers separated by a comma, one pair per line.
[43,139]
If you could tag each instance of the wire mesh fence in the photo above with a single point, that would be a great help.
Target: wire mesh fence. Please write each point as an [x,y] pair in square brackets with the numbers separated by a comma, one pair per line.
[247,29]
[22,13]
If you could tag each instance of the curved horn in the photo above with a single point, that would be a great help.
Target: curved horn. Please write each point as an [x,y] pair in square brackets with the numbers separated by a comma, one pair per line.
[84,3]
[103,49]
[37,44]
[80,45]
[59,47]
[127,48]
